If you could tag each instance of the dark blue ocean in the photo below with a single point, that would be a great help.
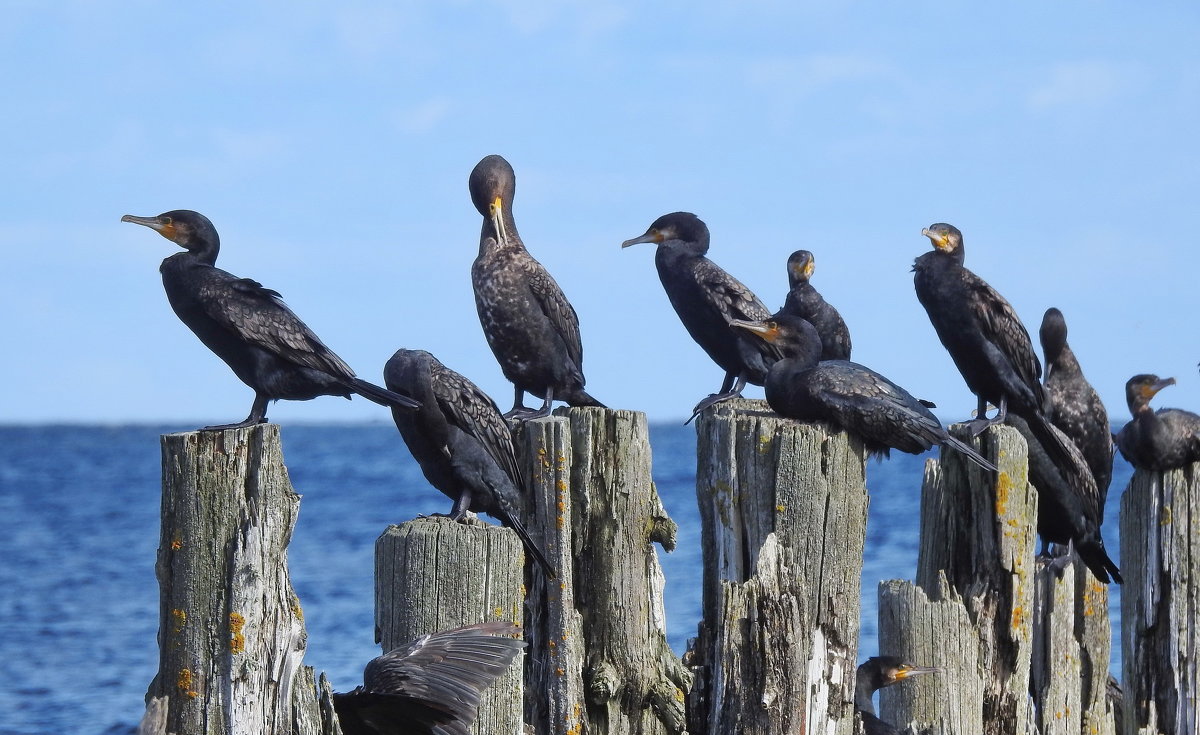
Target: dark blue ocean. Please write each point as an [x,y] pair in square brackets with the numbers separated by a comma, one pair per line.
[79,532]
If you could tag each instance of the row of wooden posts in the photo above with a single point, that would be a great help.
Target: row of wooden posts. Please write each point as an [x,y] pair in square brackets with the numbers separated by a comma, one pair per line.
[1024,647]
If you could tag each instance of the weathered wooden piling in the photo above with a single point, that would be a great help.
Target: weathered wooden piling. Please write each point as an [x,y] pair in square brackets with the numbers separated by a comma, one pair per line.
[783,507]
[1160,601]
[231,632]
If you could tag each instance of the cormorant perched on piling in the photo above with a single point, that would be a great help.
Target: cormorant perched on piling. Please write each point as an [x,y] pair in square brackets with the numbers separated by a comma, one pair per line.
[707,300]
[529,324]
[807,303]
[876,673]
[461,442]
[430,686]
[1157,440]
[248,326]
[846,394]
[985,338]
[1072,404]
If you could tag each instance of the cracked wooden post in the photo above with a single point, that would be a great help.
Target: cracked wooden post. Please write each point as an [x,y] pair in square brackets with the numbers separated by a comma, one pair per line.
[432,574]
[783,508]
[231,632]
[1160,601]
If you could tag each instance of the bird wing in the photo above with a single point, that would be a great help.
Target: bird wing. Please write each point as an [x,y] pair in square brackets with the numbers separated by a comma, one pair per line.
[557,309]
[474,412]
[999,324]
[727,294]
[258,315]
[867,403]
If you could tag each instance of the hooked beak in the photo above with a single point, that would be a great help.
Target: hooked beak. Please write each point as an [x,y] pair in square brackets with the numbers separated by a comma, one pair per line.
[762,330]
[906,671]
[1154,389]
[166,229]
[940,241]
[655,237]
[497,212]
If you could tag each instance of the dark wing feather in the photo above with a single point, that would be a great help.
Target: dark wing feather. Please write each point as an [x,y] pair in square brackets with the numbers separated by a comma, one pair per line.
[259,316]
[727,294]
[475,413]
[557,309]
[999,324]
[868,404]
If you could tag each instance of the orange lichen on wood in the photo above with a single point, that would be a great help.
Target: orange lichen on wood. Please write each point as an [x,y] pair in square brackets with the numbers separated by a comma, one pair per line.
[237,640]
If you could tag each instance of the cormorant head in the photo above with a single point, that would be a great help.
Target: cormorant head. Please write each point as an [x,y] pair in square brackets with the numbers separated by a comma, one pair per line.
[800,267]
[493,184]
[676,229]
[1141,388]
[189,230]
[790,336]
[878,672]
[946,238]
[1053,336]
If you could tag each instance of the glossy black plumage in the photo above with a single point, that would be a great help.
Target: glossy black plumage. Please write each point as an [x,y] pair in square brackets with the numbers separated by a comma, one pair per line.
[1165,439]
[529,324]
[430,686]
[846,394]
[707,300]
[985,338]
[874,674]
[461,442]
[248,326]
[804,301]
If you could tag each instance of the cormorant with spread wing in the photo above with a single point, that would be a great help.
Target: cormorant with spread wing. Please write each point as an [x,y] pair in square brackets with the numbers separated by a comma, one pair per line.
[846,394]
[804,301]
[1165,439]
[248,326]
[874,674]
[529,324]
[461,442]
[430,686]
[707,300]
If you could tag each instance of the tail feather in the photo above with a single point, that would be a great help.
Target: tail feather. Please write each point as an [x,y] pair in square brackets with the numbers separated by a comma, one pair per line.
[969,452]
[530,547]
[1096,557]
[382,396]
[580,397]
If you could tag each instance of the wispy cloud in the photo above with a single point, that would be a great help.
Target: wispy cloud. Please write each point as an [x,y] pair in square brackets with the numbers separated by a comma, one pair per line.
[1079,83]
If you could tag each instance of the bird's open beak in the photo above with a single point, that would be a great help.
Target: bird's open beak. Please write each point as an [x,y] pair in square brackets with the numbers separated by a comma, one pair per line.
[763,330]
[166,229]
[497,212]
[648,237]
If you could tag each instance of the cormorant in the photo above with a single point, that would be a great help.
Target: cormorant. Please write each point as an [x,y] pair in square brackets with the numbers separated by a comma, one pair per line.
[876,673]
[248,326]
[1157,440]
[1072,404]
[985,338]
[846,394]
[707,300]
[1070,505]
[430,686]
[461,442]
[806,302]
[529,324]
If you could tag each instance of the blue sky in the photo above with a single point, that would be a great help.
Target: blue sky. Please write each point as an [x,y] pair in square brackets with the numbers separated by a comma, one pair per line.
[331,144]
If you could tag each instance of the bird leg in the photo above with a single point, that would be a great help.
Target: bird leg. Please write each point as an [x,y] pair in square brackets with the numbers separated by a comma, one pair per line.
[258,415]
[726,393]
[978,424]
[461,512]
[521,413]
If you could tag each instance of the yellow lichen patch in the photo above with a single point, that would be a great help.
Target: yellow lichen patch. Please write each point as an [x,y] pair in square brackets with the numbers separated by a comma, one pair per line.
[780,508]
[1003,488]
[680,695]
[176,544]
[297,611]
[180,619]
[237,641]
[1018,617]
[499,613]
[184,683]
[764,444]
[560,672]
[1167,516]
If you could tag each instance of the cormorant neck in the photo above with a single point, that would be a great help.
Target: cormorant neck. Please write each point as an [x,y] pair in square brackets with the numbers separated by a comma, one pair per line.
[205,250]
[864,688]
[1064,362]
[511,239]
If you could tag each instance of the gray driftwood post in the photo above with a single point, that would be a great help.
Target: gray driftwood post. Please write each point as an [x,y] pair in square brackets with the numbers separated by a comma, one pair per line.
[231,632]
[605,666]
[1160,601]
[783,508]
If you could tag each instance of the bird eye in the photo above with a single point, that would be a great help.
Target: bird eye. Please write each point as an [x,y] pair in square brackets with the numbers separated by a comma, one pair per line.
[167,220]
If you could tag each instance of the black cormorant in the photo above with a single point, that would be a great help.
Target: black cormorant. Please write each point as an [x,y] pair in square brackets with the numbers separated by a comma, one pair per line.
[874,674]
[707,300]
[529,324]
[461,442]
[430,686]
[1072,404]
[985,338]
[846,394]
[807,303]
[1157,440]
[248,326]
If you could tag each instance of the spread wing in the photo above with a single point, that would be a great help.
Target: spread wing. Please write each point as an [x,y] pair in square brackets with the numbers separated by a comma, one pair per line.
[1000,325]
[259,316]
[474,412]
[557,309]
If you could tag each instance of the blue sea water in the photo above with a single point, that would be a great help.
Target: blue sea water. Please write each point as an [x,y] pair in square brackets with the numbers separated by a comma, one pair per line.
[79,527]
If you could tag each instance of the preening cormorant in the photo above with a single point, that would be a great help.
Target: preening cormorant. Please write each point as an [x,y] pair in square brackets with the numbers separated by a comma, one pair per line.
[461,442]
[846,394]
[1157,440]
[707,300]
[807,303]
[430,686]
[529,324]
[248,326]
[1072,404]
[874,674]
[985,338]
